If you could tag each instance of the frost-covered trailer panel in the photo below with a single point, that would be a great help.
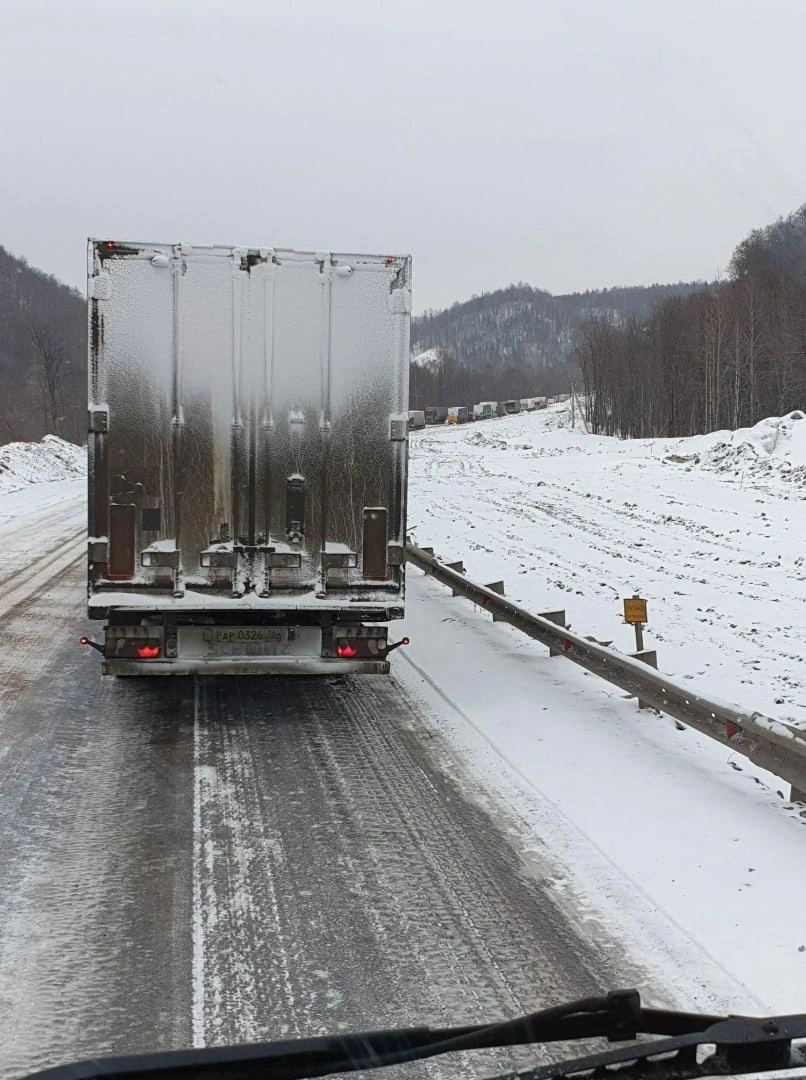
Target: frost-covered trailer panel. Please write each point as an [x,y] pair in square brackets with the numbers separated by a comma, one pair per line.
[247,449]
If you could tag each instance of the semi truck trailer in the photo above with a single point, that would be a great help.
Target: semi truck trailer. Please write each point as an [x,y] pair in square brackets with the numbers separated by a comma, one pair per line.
[458,414]
[436,414]
[248,427]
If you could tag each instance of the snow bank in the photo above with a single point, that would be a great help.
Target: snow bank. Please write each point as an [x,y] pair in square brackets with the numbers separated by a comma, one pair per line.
[775,446]
[36,463]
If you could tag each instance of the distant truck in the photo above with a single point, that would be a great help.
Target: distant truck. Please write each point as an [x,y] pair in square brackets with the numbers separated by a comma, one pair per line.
[247,458]
[512,406]
[484,410]
[416,419]
[458,413]
[436,414]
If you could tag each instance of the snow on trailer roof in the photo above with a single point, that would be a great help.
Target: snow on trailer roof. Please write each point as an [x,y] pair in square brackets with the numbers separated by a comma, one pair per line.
[135,248]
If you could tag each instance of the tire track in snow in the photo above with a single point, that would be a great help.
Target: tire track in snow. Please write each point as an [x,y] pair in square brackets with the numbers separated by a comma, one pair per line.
[347,881]
[95,860]
[52,569]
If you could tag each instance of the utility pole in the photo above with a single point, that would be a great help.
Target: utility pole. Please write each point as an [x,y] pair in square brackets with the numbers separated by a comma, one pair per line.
[573,405]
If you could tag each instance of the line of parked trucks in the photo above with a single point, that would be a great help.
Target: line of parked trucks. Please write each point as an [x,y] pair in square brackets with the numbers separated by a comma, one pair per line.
[484,410]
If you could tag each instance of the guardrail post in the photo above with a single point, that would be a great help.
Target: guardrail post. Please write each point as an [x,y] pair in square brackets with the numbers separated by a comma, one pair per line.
[496,587]
[647,656]
[557,617]
[459,567]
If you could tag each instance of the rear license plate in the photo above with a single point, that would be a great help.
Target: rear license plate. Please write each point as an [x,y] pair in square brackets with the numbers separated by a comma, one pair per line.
[249,635]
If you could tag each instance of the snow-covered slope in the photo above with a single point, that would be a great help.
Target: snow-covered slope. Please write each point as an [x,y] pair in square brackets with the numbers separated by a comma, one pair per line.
[22,464]
[709,529]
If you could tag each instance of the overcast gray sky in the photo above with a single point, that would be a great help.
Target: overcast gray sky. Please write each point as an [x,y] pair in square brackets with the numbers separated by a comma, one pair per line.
[573,144]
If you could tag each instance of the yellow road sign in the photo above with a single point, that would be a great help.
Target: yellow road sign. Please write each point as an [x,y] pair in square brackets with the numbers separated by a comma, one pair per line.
[635,610]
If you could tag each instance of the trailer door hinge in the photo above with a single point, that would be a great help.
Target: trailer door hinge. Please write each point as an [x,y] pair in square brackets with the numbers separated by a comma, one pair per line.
[98,419]
[98,551]
[395,553]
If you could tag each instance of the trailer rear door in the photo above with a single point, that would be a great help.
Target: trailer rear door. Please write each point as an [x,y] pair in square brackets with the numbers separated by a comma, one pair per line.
[248,417]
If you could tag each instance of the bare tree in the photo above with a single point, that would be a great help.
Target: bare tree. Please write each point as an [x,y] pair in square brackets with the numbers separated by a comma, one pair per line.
[52,351]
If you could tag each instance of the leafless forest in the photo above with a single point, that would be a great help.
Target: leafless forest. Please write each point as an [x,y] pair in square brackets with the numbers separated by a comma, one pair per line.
[725,357]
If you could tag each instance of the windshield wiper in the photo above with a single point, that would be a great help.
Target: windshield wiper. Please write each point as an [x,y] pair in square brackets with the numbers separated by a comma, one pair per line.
[737,1045]
[743,1045]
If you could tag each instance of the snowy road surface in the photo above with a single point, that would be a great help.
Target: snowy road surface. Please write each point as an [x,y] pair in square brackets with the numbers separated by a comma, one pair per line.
[487,832]
[218,860]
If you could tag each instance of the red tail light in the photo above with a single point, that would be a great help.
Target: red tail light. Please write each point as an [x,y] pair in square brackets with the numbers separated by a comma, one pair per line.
[148,652]
[345,650]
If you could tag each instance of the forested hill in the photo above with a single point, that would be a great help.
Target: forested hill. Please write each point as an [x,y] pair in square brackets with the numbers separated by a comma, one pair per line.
[524,327]
[42,354]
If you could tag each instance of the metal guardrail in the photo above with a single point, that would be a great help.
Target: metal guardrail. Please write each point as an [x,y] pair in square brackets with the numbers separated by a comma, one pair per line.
[768,743]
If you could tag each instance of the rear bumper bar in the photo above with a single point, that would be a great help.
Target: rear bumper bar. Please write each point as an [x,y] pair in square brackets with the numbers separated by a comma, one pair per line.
[257,665]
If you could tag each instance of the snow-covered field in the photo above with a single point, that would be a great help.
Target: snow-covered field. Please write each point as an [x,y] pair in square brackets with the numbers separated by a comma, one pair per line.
[709,529]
